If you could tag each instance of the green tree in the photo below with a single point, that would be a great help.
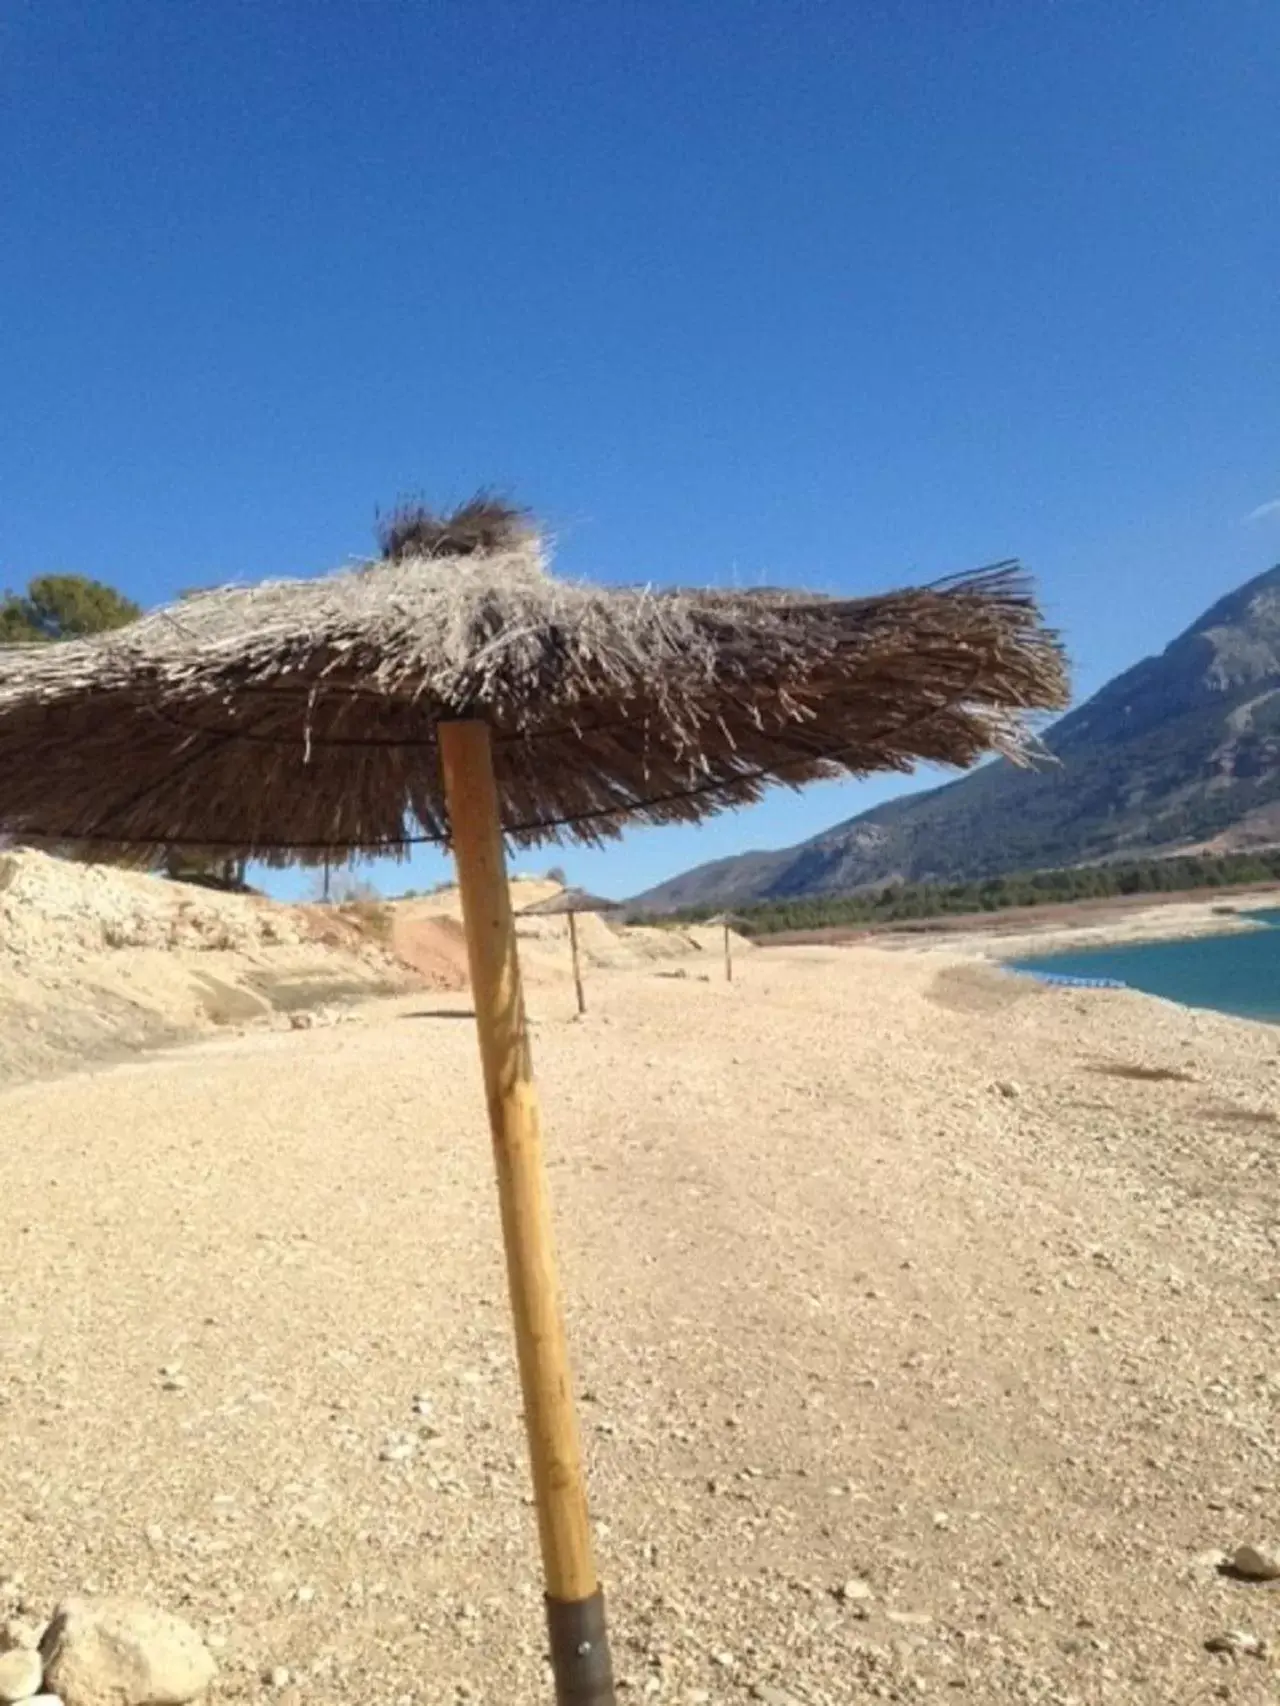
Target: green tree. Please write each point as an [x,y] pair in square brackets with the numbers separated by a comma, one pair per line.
[63,607]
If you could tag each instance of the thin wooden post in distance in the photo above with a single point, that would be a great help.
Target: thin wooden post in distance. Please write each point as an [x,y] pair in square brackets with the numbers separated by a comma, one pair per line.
[575,1608]
[728,955]
[577,967]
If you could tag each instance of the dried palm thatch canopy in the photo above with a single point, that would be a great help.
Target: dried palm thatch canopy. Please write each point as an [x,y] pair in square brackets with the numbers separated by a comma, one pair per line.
[299,718]
[569,902]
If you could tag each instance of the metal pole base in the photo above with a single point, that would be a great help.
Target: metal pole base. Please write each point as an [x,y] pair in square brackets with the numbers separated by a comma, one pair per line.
[580,1652]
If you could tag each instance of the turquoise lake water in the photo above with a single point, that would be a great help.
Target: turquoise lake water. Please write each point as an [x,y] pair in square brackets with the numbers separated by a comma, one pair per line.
[1231,974]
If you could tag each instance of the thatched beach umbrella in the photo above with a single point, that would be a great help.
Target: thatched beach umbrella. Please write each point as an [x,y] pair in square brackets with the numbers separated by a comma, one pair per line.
[568,904]
[456,692]
[729,921]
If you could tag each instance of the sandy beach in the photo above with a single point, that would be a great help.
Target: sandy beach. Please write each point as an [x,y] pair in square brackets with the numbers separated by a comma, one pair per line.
[1182,920]
[925,1324]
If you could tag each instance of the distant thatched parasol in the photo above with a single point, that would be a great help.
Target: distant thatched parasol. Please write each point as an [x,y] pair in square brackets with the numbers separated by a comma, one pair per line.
[568,904]
[729,921]
[454,691]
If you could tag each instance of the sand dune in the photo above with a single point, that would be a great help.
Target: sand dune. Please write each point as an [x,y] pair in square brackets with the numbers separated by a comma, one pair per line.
[101,964]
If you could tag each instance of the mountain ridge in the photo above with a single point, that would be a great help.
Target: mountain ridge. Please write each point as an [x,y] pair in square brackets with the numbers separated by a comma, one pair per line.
[1182,749]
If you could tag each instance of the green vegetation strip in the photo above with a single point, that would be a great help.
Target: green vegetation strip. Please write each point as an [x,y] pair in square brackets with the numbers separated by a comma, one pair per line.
[904,902]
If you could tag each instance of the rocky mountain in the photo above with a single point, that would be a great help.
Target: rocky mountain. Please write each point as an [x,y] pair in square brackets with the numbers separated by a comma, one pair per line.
[1182,750]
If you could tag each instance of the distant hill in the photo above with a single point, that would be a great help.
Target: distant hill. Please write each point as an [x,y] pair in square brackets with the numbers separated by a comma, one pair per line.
[1182,750]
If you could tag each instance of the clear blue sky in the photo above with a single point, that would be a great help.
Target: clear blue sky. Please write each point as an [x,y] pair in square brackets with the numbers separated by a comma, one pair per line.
[841,294]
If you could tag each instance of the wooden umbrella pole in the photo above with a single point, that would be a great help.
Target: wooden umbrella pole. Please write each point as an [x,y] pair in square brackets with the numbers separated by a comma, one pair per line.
[728,956]
[577,968]
[575,1605]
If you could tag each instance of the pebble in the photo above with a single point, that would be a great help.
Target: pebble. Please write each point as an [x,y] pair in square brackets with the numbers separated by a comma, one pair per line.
[1009,1088]
[1257,1563]
[1237,1641]
[770,1696]
[854,1588]
[21,1673]
[278,1677]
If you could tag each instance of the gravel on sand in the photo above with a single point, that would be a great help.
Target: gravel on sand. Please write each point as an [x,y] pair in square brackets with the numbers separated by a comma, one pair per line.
[895,1386]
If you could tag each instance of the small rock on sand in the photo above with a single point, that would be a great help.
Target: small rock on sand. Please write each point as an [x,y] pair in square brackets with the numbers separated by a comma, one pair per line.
[21,1674]
[854,1589]
[1258,1563]
[119,1652]
[1237,1641]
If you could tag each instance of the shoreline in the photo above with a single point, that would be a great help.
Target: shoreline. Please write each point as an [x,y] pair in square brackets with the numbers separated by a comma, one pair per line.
[1044,931]
[1176,923]
[1031,956]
